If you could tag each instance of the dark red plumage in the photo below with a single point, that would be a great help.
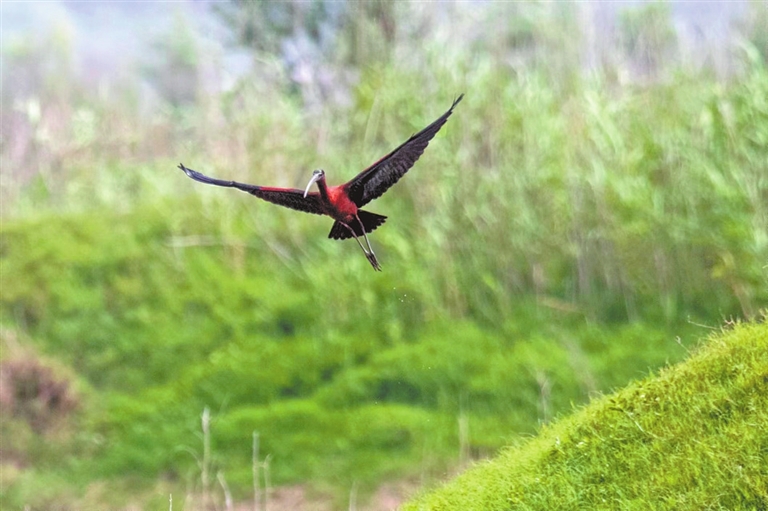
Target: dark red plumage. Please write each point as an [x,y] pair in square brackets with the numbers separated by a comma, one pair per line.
[342,202]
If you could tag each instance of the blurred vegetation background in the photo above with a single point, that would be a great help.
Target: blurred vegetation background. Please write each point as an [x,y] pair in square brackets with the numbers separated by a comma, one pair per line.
[594,205]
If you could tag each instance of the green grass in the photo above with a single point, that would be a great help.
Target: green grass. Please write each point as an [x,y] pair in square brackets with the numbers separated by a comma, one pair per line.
[694,436]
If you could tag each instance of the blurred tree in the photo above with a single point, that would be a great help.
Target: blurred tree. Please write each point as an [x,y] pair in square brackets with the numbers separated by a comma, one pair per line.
[264,26]
[648,38]
[370,32]
[173,70]
[756,29]
[320,43]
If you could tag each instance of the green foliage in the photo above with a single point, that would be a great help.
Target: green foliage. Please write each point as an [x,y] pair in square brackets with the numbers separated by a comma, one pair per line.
[162,330]
[695,436]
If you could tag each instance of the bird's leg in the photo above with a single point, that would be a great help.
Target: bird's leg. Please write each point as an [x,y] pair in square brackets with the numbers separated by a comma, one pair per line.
[368,255]
[367,241]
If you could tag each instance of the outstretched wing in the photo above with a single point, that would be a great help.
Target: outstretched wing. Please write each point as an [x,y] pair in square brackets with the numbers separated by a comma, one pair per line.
[379,177]
[288,197]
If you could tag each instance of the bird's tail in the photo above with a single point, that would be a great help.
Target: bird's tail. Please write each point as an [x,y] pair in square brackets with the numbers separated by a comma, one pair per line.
[370,221]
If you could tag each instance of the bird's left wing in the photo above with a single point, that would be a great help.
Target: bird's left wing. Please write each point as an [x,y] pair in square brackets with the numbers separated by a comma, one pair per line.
[379,177]
[287,197]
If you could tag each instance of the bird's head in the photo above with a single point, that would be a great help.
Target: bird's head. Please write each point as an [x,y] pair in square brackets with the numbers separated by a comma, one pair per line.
[317,175]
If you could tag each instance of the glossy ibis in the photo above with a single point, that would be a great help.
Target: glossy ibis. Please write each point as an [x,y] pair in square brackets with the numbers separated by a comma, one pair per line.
[342,202]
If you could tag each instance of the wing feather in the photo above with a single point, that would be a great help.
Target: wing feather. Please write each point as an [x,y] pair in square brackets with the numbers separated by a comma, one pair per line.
[379,177]
[288,197]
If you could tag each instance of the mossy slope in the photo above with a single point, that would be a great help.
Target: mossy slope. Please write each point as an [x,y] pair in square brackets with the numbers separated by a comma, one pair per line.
[693,437]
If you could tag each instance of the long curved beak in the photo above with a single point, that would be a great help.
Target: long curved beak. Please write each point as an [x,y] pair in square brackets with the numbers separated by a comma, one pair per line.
[315,178]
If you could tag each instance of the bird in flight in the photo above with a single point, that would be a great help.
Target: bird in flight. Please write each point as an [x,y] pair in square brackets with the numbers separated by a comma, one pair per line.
[343,202]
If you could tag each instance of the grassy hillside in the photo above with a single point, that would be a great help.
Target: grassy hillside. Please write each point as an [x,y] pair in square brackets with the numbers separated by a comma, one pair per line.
[693,437]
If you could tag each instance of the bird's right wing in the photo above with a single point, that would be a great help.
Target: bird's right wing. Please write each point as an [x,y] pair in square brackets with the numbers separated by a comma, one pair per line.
[287,197]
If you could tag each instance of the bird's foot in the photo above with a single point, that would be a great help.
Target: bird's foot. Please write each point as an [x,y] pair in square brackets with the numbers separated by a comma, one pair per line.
[374,262]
